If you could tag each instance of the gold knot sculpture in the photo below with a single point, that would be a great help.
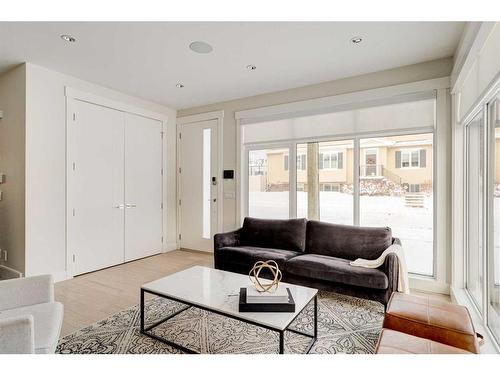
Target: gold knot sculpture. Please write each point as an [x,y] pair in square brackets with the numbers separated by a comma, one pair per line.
[270,265]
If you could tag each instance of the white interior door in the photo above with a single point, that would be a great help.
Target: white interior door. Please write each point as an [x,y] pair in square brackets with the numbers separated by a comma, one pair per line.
[96,189]
[198,184]
[143,187]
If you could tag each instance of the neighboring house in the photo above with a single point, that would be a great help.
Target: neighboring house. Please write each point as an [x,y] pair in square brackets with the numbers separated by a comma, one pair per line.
[405,160]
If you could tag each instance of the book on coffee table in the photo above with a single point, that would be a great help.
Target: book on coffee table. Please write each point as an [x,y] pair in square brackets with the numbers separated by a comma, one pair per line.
[265,305]
[279,295]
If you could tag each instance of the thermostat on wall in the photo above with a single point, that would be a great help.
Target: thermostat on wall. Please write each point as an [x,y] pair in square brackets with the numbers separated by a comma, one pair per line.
[228,174]
[1,115]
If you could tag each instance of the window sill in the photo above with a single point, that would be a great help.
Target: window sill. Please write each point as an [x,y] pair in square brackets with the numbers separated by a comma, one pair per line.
[460,296]
[428,284]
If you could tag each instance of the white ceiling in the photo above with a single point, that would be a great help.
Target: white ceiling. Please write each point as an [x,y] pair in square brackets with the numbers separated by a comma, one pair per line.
[148,59]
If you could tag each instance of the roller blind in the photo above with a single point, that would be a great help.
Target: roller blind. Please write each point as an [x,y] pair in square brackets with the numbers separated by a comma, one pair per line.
[399,113]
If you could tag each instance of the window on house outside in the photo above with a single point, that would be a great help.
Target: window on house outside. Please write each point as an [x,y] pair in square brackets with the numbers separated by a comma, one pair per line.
[410,158]
[331,160]
[301,162]
[414,188]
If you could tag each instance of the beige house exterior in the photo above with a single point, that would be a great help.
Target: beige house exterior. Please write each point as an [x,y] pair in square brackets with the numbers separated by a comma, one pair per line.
[405,160]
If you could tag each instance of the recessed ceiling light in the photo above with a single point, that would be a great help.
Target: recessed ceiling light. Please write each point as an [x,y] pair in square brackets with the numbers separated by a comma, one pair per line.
[200,47]
[251,67]
[68,38]
[356,40]
[179,85]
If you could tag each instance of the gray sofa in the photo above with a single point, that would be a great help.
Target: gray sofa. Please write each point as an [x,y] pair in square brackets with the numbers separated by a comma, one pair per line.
[313,253]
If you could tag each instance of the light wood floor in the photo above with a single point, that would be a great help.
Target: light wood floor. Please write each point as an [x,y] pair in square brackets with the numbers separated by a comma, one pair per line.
[94,296]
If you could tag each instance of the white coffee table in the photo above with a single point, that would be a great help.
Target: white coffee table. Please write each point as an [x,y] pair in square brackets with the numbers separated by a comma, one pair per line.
[217,291]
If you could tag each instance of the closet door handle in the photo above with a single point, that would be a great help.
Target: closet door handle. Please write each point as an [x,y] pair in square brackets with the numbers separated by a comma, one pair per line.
[120,206]
[130,205]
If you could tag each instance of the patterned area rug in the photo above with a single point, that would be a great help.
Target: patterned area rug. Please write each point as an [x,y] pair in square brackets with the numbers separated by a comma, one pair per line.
[345,325]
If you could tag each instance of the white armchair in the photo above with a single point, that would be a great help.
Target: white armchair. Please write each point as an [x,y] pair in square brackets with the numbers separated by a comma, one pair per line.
[30,320]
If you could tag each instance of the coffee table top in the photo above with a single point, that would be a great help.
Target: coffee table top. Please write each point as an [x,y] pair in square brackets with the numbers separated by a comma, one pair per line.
[219,291]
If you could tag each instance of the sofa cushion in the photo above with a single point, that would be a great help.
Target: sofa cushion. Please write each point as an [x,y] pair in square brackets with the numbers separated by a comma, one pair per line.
[346,241]
[47,319]
[276,234]
[248,255]
[322,267]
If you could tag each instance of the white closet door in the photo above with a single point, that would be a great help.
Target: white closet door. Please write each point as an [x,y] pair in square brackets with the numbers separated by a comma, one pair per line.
[95,187]
[143,187]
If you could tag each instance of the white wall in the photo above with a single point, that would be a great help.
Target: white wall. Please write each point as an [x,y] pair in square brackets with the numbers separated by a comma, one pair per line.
[407,74]
[46,166]
[12,151]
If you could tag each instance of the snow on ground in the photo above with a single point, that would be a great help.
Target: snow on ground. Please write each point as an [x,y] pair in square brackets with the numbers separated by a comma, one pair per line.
[413,226]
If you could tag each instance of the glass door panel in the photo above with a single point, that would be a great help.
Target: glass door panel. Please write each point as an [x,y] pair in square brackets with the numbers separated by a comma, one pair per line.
[474,206]
[494,254]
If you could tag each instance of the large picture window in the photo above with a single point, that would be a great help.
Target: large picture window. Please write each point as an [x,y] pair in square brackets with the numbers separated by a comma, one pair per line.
[369,166]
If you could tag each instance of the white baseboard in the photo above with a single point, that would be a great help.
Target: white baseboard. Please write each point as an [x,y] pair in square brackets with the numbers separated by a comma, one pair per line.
[170,246]
[60,276]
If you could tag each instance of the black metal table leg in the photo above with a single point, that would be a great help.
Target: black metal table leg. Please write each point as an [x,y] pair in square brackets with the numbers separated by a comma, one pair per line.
[142,311]
[282,342]
[315,316]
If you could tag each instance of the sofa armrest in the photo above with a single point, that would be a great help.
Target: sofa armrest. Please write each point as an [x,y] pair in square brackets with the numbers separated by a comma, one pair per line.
[17,335]
[391,269]
[227,239]
[26,291]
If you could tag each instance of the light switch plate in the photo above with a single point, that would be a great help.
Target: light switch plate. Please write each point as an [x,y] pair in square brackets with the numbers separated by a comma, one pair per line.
[2,178]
